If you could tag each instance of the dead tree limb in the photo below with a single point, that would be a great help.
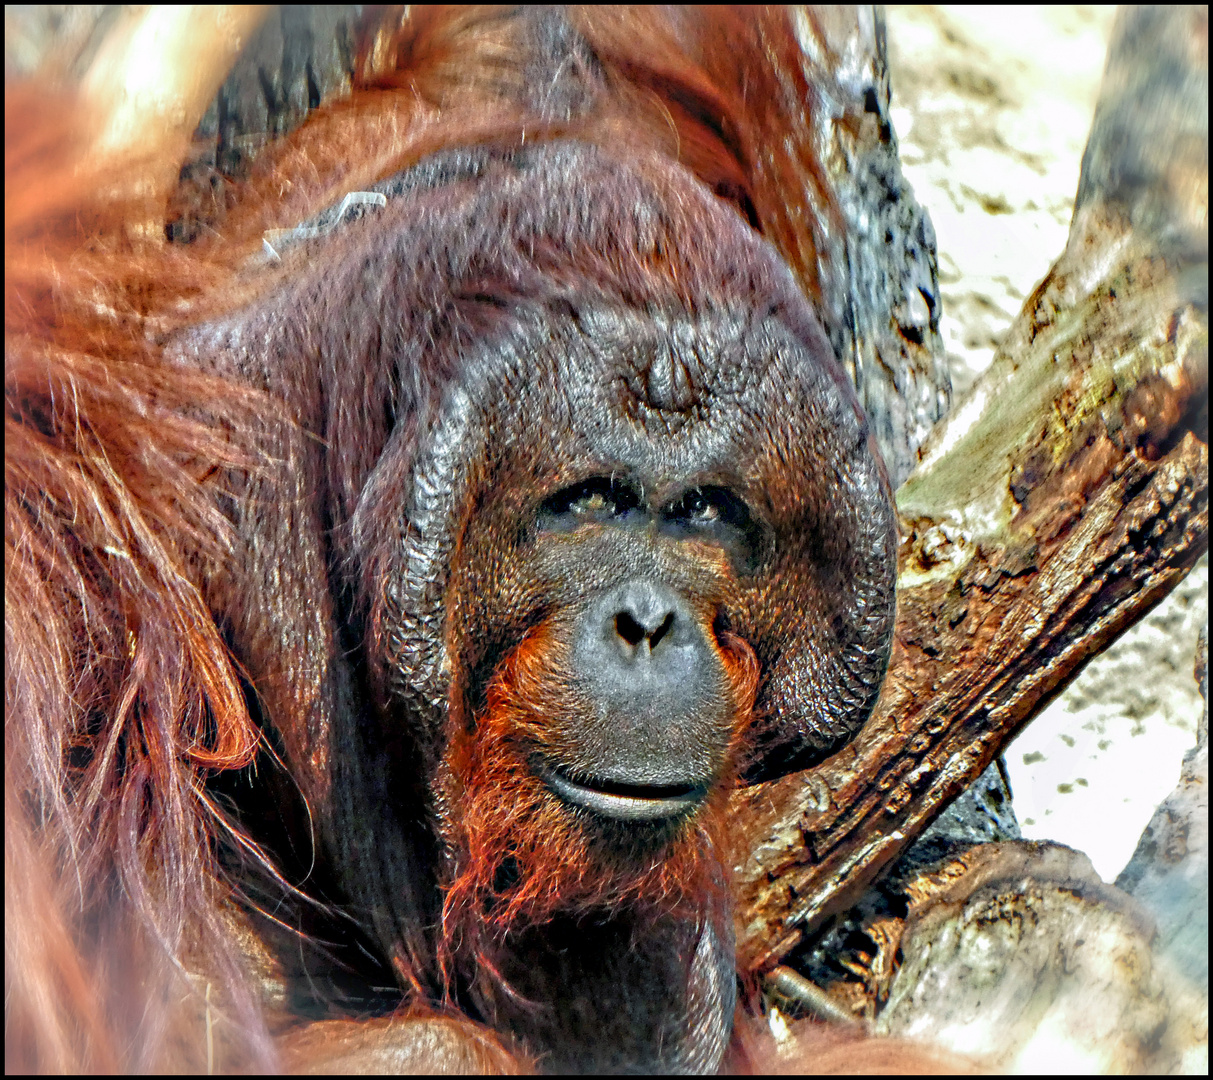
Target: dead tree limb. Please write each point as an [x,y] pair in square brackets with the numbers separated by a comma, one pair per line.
[1061,501]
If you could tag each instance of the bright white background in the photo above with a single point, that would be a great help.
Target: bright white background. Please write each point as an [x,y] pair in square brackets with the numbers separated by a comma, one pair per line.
[992,106]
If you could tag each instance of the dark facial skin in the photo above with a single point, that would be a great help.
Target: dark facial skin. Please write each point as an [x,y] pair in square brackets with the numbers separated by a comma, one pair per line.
[703,518]
[583,403]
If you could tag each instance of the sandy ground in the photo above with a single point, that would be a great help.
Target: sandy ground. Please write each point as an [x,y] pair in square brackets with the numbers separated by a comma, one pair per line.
[992,106]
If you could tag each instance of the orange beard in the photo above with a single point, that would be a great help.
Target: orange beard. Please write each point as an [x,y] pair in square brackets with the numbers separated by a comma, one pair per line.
[520,855]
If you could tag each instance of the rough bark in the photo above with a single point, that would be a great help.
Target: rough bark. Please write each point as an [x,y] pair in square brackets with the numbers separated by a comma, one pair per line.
[1062,500]
[1059,503]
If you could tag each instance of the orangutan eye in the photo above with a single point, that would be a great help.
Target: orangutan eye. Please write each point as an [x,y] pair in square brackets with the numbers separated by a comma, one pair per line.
[717,515]
[696,507]
[600,498]
[707,507]
[592,504]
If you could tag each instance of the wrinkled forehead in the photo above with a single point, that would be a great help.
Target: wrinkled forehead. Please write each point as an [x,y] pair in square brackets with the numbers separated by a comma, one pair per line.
[669,395]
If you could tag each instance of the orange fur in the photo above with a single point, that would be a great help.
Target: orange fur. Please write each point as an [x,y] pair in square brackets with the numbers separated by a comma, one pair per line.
[121,697]
[120,694]
[505,811]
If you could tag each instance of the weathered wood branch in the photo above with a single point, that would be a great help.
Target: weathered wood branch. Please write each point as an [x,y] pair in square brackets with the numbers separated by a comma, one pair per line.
[1058,504]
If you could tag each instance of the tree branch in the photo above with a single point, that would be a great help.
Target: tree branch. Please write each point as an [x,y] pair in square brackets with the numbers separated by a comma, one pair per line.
[1061,501]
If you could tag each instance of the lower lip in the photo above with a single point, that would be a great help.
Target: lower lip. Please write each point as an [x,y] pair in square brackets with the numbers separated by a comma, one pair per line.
[622,807]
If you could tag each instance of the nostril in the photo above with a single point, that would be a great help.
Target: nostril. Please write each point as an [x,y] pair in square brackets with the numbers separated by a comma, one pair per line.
[634,632]
[629,629]
[661,631]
